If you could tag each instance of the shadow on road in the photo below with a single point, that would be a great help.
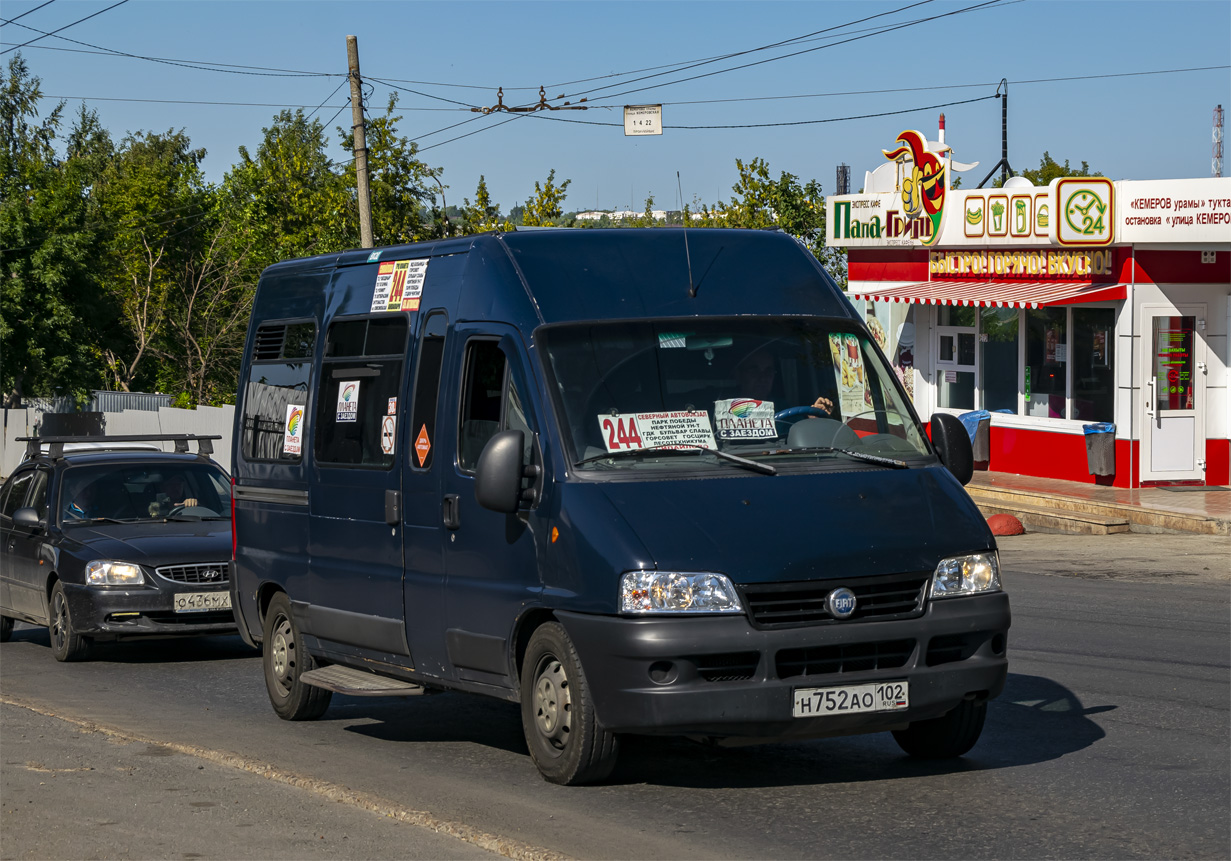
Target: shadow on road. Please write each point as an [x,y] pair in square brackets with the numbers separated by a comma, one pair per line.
[1034,720]
[171,650]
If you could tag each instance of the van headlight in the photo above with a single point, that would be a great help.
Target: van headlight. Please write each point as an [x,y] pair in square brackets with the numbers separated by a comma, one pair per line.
[101,572]
[966,575]
[677,592]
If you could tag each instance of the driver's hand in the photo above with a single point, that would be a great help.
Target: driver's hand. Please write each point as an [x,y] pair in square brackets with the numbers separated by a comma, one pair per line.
[189,502]
[824,404]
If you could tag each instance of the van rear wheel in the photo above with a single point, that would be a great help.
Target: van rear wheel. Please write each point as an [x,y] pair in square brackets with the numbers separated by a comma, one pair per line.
[566,741]
[285,660]
[6,628]
[947,736]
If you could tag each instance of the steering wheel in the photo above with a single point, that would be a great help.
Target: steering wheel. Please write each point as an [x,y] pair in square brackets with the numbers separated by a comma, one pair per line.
[191,511]
[784,418]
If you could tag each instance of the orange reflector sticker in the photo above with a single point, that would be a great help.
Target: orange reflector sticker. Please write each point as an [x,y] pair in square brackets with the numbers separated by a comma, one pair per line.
[555,533]
[422,445]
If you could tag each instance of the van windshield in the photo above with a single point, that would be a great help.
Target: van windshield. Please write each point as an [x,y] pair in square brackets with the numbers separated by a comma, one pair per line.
[638,395]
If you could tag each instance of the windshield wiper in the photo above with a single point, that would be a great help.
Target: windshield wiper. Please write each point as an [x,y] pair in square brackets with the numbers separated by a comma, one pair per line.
[755,466]
[86,520]
[857,455]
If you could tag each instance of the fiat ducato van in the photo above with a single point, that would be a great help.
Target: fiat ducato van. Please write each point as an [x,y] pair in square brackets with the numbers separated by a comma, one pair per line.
[637,481]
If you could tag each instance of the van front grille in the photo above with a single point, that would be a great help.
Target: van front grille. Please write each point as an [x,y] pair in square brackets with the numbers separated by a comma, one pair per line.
[846,658]
[884,597]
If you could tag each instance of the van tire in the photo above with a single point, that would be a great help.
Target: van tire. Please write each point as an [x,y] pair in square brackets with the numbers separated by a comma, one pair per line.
[285,660]
[947,736]
[566,741]
[6,628]
[66,643]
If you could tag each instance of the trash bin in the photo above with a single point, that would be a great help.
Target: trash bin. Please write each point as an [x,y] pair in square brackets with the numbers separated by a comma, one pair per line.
[978,424]
[1100,448]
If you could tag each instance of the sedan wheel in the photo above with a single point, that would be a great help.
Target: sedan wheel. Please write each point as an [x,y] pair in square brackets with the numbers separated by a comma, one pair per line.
[66,643]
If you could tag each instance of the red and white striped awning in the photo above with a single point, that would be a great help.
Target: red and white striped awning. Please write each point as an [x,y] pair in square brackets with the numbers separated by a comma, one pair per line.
[995,294]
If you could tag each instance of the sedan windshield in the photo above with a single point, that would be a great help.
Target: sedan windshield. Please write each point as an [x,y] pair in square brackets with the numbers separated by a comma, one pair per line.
[131,492]
[775,390]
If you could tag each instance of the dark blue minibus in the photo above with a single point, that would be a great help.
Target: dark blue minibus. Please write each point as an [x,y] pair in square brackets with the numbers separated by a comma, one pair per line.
[649,481]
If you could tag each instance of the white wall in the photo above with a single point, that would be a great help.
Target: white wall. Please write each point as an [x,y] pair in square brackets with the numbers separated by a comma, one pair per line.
[203,421]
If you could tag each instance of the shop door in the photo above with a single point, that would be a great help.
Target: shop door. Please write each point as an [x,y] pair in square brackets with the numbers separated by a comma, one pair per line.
[1173,438]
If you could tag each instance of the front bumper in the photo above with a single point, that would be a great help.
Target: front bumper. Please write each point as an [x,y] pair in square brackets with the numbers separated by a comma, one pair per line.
[103,613]
[721,676]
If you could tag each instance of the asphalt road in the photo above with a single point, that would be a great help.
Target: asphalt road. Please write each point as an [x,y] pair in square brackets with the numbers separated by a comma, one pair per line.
[1110,741]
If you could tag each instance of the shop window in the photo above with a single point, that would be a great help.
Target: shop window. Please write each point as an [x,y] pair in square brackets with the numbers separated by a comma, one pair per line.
[1094,343]
[1047,343]
[955,357]
[998,360]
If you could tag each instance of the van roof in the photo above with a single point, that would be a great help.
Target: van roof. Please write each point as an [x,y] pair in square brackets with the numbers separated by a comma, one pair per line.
[624,273]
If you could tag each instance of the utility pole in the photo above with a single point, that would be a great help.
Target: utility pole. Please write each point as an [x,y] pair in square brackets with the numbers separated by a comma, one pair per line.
[1003,165]
[361,146]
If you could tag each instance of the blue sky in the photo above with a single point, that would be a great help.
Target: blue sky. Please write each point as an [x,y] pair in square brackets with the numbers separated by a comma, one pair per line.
[1141,127]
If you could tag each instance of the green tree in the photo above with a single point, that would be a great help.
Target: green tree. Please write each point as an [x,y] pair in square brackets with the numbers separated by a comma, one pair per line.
[287,200]
[50,311]
[482,215]
[546,207]
[398,182]
[1050,169]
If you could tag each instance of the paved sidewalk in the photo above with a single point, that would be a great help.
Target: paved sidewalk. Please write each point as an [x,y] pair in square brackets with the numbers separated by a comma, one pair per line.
[1211,503]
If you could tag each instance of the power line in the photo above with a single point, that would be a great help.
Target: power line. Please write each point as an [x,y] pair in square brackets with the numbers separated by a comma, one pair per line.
[418,93]
[204,66]
[890,29]
[188,102]
[31,11]
[328,97]
[65,27]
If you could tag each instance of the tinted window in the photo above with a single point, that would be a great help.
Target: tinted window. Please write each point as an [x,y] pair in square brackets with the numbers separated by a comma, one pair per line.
[357,406]
[17,488]
[37,498]
[276,394]
[143,491]
[427,387]
[482,399]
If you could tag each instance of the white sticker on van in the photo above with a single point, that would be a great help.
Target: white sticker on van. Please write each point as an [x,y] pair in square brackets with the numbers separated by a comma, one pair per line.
[388,433]
[745,418]
[292,433]
[348,401]
[399,285]
[678,429]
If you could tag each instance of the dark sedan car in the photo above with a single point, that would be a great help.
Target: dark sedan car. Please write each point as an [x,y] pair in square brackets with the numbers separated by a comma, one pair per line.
[107,538]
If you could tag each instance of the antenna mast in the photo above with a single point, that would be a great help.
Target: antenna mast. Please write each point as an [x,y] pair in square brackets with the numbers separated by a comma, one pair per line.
[1216,162]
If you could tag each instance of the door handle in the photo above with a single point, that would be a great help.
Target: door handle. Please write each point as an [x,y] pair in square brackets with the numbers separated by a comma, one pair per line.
[393,507]
[1150,398]
[452,511]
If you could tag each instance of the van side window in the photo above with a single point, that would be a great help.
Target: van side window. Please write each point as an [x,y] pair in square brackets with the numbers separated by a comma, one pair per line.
[490,403]
[427,388]
[278,380]
[361,378]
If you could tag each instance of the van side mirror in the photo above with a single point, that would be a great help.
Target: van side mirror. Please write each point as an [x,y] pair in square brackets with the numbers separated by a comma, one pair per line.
[497,481]
[27,517]
[952,445]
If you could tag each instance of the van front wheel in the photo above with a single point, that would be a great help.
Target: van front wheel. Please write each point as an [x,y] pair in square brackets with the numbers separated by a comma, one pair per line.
[566,741]
[285,660]
[947,736]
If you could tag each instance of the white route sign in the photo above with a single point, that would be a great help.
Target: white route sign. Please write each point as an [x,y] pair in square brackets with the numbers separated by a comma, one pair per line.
[643,120]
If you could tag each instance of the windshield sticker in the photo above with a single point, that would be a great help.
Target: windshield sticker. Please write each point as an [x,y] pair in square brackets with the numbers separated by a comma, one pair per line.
[348,401]
[672,340]
[681,429]
[745,418]
[854,396]
[292,434]
[399,285]
[388,433]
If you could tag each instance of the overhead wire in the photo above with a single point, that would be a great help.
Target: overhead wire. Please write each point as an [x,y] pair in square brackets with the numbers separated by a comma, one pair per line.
[65,27]
[31,11]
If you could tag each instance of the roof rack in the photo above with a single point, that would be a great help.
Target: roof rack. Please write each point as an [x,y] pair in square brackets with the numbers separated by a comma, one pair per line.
[34,444]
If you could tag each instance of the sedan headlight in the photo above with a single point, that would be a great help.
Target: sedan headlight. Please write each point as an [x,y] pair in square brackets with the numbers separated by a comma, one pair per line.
[104,573]
[966,575]
[677,592]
